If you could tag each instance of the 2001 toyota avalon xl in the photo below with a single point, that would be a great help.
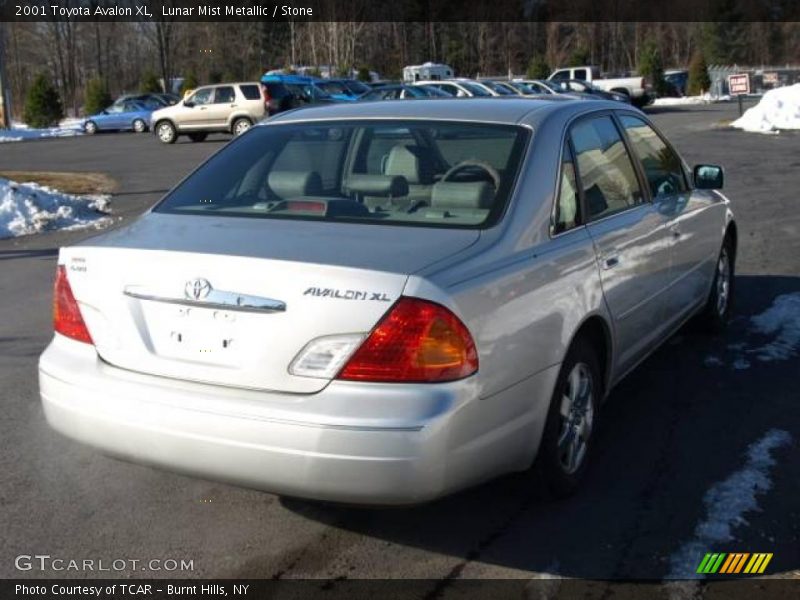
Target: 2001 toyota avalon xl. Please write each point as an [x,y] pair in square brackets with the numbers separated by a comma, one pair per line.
[385,303]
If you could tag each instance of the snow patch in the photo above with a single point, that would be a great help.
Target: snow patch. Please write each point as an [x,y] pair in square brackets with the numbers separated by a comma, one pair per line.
[28,208]
[726,504]
[782,320]
[690,100]
[20,132]
[778,109]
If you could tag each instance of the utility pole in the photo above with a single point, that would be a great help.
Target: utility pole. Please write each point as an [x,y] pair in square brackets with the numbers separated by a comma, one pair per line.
[5,94]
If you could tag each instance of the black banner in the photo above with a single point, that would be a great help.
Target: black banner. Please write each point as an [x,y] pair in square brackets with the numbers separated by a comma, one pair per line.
[400,10]
[397,589]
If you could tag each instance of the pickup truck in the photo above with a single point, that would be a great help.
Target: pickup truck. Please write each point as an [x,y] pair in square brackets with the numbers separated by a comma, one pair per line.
[635,87]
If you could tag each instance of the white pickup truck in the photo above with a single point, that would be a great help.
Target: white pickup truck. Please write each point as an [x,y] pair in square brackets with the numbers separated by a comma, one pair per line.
[635,87]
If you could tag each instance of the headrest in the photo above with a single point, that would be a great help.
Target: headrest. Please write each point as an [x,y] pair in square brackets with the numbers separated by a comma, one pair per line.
[449,194]
[293,184]
[410,162]
[384,186]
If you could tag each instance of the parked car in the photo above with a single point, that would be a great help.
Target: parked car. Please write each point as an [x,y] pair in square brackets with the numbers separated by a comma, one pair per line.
[225,107]
[677,82]
[285,92]
[343,89]
[636,88]
[402,92]
[588,91]
[501,88]
[383,303]
[461,88]
[534,87]
[128,115]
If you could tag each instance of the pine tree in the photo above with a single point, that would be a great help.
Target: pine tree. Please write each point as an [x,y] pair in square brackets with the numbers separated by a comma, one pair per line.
[43,106]
[150,83]
[363,74]
[651,67]
[699,81]
[537,68]
[579,58]
[96,97]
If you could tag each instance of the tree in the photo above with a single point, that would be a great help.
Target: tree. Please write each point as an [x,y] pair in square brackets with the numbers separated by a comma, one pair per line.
[579,57]
[364,74]
[190,82]
[699,81]
[96,97]
[537,68]
[651,67]
[149,83]
[43,106]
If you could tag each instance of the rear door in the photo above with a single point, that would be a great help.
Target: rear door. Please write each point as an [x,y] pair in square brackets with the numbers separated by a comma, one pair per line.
[629,233]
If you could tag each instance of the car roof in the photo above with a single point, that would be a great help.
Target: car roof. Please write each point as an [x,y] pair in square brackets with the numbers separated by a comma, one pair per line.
[504,110]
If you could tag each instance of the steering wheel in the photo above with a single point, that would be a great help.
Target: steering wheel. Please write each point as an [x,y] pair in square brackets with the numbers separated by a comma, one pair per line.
[474,166]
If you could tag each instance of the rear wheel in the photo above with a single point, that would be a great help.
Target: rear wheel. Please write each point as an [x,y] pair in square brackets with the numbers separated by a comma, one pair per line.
[139,126]
[241,125]
[717,311]
[166,132]
[90,127]
[567,440]
[198,136]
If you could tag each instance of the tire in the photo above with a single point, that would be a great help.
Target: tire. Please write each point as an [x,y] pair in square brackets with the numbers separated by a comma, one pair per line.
[568,439]
[716,314]
[139,126]
[90,127]
[198,137]
[241,125]
[166,132]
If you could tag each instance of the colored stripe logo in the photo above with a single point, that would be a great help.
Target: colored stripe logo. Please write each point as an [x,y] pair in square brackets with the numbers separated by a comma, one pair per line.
[734,563]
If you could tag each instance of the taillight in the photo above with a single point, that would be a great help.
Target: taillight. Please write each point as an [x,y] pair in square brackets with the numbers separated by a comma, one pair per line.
[67,319]
[265,94]
[416,341]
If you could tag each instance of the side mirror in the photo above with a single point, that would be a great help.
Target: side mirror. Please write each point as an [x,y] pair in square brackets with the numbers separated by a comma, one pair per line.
[188,104]
[708,177]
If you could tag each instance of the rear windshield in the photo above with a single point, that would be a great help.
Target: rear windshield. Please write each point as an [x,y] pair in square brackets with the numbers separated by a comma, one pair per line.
[421,173]
[251,92]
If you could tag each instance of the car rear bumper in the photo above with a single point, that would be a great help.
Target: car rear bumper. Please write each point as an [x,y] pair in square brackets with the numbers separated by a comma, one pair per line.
[432,440]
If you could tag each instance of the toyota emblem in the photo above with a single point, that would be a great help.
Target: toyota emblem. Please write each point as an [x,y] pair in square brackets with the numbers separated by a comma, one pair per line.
[197,289]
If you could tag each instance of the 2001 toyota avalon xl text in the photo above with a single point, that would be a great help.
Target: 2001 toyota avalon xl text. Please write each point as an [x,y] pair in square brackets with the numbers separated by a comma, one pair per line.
[385,303]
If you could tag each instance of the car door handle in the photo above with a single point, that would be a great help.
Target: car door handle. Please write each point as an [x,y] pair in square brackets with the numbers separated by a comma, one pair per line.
[203,108]
[610,262]
[234,105]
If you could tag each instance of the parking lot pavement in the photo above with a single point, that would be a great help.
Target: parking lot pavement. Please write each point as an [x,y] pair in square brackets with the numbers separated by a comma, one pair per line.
[685,443]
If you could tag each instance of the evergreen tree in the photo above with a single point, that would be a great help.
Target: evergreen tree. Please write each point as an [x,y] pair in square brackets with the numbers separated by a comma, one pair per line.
[651,67]
[699,81]
[43,106]
[190,82]
[96,97]
[150,83]
[537,68]
[579,58]
[363,74]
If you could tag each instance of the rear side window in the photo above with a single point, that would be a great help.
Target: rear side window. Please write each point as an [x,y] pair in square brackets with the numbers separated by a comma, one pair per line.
[662,166]
[580,74]
[251,92]
[277,90]
[606,172]
[567,214]
[224,95]
[392,172]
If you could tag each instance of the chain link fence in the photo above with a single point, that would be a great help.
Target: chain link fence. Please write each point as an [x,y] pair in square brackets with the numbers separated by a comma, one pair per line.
[762,78]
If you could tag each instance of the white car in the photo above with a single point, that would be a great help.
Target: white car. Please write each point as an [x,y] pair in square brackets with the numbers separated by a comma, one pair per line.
[460,88]
[384,302]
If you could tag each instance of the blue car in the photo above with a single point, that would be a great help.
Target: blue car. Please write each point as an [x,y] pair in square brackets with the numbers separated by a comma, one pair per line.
[128,115]
[343,89]
[293,91]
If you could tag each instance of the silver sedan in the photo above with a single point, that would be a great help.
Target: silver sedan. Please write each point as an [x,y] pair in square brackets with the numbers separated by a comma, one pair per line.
[387,302]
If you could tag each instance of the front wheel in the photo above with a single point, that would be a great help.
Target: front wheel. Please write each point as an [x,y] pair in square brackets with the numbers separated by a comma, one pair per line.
[717,312]
[568,435]
[166,132]
[139,126]
[241,125]
[90,127]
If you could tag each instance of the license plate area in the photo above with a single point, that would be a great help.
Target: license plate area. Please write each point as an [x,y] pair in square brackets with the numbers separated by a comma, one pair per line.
[193,334]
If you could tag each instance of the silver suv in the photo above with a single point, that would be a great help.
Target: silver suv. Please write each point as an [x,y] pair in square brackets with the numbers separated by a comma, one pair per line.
[225,107]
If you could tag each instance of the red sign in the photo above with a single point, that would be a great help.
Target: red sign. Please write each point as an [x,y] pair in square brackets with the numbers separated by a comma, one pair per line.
[739,84]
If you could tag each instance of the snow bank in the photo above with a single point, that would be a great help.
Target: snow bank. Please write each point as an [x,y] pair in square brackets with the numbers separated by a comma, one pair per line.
[690,100]
[778,109]
[20,132]
[30,208]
